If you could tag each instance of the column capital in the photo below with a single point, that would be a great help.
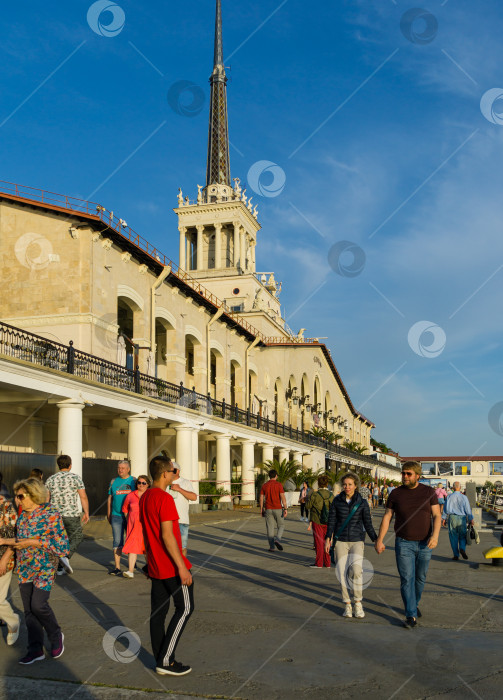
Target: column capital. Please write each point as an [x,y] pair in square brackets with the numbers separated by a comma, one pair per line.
[200,227]
[247,441]
[182,428]
[71,403]
[217,225]
[182,229]
[138,417]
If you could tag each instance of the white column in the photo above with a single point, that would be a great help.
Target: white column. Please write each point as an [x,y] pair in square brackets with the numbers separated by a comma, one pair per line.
[236,243]
[36,436]
[224,465]
[182,262]
[248,471]
[267,453]
[253,261]
[297,456]
[283,454]
[188,256]
[70,432]
[137,443]
[195,463]
[242,252]
[218,246]
[199,253]
[183,449]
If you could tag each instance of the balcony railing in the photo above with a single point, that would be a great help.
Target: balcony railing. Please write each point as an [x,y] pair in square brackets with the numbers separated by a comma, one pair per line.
[15,342]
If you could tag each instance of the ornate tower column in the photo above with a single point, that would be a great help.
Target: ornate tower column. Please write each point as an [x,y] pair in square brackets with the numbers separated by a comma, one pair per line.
[199,254]
[181,257]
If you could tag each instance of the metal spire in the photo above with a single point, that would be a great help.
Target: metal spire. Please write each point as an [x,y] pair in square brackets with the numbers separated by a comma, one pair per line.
[218,168]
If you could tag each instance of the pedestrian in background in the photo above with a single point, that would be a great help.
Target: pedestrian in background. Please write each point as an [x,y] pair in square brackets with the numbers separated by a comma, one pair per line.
[319,507]
[182,491]
[303,496]
[458,513]
[8,519]
[134,543]
[273,507]
[68,496]
[120,487]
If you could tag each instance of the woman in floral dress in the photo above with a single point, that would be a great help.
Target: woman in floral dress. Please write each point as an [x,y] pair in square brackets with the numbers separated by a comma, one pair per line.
[40,541]
[8,520]
[134,544]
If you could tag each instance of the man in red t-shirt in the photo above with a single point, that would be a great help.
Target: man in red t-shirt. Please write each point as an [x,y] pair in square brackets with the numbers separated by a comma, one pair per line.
[168,569]
[273,505]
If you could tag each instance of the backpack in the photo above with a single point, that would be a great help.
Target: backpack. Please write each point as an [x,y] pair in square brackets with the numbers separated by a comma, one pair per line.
[324,510]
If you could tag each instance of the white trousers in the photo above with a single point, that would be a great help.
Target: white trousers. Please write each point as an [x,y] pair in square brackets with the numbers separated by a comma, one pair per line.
[6,611]
[349,569]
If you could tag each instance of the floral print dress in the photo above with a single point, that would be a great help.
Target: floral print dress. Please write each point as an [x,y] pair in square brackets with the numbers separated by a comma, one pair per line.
[34,565]
[8,518]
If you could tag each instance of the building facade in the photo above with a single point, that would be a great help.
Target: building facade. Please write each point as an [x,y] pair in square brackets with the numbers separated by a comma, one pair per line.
[108,349]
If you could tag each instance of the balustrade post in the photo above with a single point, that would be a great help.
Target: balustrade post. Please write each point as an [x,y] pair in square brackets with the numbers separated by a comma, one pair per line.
[236,413]
[248,421]
[70,362]
[223,408]
[258,421]
[137,380]
[181,390]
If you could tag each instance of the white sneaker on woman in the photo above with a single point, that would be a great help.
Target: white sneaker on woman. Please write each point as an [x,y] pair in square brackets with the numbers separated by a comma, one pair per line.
[359,609]
[348,611]
[128,574]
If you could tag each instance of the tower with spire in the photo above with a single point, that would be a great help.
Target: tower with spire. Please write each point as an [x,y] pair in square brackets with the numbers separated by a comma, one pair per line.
[218,230]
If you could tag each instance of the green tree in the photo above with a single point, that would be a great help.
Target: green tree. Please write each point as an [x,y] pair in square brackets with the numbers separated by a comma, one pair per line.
[287,468]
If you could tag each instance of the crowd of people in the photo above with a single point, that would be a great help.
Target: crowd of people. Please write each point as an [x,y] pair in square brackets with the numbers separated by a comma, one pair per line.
[42,529]
[339,523]
[149,516]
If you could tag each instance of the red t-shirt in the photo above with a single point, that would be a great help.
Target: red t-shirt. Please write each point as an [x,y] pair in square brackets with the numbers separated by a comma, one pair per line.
[271,491]
[156,507]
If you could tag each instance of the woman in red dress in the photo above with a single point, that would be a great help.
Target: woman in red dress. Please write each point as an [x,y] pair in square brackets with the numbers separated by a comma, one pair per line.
[134,535]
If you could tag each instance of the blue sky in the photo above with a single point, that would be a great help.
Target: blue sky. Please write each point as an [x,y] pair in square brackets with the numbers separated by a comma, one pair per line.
[375,120]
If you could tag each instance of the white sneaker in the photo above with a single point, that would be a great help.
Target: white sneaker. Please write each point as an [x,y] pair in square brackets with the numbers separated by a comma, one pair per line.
[128,574]
[348,611]
[359,610]
[12,635]
[65,563]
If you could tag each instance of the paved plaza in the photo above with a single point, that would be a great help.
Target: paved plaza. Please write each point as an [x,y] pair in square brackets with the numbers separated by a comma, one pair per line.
[266,626]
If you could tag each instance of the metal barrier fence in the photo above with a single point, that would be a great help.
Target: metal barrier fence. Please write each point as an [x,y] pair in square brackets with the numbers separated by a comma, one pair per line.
[15,342]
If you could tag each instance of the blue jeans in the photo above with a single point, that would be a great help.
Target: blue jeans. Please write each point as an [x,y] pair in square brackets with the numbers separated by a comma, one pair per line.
[412,560]
[118,523]
[184,533]
[457,533]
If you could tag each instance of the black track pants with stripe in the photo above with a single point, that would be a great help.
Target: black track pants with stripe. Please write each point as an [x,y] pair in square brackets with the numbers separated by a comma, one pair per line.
[164,642]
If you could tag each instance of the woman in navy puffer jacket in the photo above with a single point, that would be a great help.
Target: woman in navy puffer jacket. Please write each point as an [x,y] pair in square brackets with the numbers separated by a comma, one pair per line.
[349,545]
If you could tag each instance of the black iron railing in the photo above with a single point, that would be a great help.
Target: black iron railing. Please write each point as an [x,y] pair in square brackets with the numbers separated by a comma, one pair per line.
[15,342]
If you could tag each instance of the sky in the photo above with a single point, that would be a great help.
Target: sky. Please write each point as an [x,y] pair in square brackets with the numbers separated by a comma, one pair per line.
[370,135]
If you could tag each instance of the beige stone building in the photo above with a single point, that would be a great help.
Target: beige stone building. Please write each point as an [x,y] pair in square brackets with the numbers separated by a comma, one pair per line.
[193,358]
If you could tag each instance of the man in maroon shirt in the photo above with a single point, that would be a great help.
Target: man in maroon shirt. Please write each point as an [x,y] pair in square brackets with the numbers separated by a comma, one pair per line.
[273,505]
[414,505]
[168,569]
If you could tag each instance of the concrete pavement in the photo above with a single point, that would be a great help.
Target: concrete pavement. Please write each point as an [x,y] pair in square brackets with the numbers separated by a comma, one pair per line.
[267,626]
